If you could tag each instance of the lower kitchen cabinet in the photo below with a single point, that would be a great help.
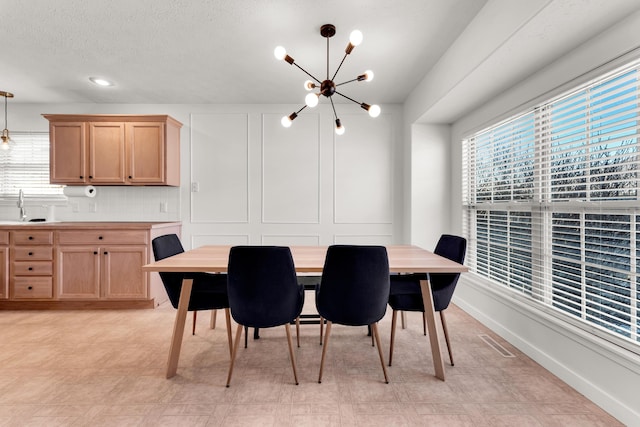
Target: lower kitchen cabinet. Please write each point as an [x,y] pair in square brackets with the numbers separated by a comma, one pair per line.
[80,265]
[102,272]
[4,265]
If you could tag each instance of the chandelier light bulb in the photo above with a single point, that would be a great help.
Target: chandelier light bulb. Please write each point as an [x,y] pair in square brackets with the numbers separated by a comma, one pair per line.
[355,38]
[309,85]
[368,76]
[280,53]
[311,100]
[374,110]
[339,128]
[286,121]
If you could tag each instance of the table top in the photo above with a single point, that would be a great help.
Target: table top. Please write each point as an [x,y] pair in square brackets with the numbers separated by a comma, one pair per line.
[307,259]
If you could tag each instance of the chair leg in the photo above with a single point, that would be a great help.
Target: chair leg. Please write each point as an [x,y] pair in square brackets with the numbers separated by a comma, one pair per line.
[321,328]
[233,354]
[193,328]
[374,330]
[298,330]
[394,319]
[212,321]
[403,318]
[424,324]
[446,336]
[246,336]
[227,315]
[291,354]
[324,350]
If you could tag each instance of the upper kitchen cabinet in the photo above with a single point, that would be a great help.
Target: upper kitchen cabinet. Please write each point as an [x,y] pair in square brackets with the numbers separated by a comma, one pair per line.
[114,149]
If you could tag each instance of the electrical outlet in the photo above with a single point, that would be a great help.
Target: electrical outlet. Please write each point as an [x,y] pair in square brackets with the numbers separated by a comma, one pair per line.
[195,187]
[164,207]
[75,206]
[93,207]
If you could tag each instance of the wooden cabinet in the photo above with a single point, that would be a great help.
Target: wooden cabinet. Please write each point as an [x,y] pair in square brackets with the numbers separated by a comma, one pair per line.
[31,264]
[4,265]
[114,149]
[80,265]
[102,264]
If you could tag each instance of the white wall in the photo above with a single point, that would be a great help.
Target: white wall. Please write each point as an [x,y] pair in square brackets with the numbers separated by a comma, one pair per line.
[605,373]
[258,182]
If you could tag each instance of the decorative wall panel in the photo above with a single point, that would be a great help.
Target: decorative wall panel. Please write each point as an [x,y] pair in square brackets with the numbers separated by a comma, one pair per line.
[219,168]
[363,176]
[291,170]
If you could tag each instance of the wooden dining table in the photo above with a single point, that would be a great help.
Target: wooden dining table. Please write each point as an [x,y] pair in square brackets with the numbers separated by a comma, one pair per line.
[307,259]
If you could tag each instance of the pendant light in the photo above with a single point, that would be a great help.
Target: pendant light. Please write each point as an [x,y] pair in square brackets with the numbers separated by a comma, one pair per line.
[327,87]
[7,142]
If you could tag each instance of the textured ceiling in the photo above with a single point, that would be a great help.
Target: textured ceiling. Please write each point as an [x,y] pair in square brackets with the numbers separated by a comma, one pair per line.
[221,51]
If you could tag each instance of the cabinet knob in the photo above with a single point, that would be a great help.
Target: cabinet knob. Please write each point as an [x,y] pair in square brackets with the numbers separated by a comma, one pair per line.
[81,177]
[130,177]
[30,287]
[30,237]
[95,252]
[90,177]
[106,253]
[30,253]
[30,268]
[99,237]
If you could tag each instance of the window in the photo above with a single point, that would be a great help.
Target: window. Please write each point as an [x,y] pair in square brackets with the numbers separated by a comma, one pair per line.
[26,167]
[551,206]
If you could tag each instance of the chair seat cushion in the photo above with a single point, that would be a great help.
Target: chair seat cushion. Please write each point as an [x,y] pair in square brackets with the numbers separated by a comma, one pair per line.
[405,294]
[209,292]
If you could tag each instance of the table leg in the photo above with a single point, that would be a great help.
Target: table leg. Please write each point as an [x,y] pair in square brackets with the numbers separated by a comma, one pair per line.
[427,299]
[178,327]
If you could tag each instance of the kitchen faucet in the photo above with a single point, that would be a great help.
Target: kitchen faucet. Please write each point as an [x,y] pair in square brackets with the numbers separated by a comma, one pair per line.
[23,211]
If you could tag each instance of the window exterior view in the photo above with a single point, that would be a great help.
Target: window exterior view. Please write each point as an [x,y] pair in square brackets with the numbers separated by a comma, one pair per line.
[551,204]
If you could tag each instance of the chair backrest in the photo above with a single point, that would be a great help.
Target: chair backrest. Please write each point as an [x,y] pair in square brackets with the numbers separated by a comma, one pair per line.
[443,285]
[262,286]
[164,247]
[354,288]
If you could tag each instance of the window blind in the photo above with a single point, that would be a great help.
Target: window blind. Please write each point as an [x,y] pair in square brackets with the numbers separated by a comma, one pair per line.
[26,167]
[550,201]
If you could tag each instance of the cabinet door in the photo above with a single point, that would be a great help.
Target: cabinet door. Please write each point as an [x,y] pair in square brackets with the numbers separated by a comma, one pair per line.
[4,272]
[145,144]
[67,153]
[106,153]
[122,275]
[78,272]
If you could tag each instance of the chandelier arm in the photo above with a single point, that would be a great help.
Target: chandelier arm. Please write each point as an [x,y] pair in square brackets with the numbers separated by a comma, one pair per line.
[307,73]
[334,109]
[350,99]
[305,106]
[348,81]
[339,66]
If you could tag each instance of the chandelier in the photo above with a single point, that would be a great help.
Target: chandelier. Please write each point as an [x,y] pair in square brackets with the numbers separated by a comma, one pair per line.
[6,140]
[327,87]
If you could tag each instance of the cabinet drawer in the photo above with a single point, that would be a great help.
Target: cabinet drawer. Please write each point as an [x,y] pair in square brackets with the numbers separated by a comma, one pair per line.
[32,268]
[4,237]
[93,237]
[32,287]
[32,237]
[39,253]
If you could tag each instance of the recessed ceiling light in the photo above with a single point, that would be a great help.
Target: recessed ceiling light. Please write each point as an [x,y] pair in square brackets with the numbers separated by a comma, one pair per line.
[100,81]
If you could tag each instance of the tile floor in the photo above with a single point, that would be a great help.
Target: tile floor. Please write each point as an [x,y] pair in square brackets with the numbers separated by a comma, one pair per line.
[106,368]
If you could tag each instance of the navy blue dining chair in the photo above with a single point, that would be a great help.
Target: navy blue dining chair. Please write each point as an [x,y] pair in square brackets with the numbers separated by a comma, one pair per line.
[353,291]
[263,293]
[209,291]
[406,295]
